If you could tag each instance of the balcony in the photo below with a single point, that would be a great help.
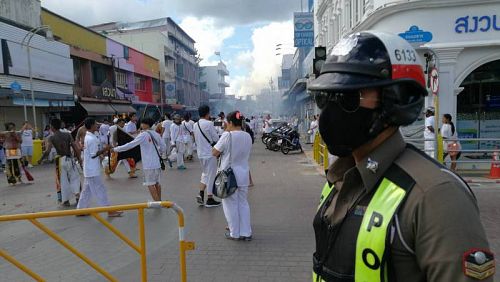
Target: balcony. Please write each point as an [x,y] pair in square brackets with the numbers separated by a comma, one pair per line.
[224,84]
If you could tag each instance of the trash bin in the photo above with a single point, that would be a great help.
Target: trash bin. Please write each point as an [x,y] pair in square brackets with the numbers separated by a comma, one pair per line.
[37,151]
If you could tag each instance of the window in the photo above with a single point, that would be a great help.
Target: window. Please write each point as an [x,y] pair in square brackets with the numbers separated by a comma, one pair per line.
[140,83]
[77,74]
[156,86]
[125,52]
[180,70]
[121,79]
[98,74]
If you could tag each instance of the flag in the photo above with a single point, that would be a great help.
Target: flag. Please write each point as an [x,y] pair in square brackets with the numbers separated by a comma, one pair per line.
[122,139]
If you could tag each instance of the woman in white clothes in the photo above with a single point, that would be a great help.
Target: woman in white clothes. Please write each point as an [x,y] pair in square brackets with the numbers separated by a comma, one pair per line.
[166,124]
[177,132]
[234,148]
[187,125]
[313,129]
[451,146]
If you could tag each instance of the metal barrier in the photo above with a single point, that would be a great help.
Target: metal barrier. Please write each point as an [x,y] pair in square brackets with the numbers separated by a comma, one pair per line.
[32,217]
[441,151]
[320,151]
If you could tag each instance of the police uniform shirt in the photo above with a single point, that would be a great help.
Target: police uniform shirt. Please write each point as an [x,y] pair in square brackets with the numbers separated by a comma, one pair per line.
[436,226]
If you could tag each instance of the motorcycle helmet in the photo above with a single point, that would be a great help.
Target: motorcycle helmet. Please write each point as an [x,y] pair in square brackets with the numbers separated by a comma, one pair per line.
[373,59]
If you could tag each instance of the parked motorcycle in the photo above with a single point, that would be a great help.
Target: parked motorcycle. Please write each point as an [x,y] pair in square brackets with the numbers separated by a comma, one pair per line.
[291,143]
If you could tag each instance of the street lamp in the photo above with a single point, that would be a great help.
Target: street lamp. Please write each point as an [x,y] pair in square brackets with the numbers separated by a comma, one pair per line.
[26,42]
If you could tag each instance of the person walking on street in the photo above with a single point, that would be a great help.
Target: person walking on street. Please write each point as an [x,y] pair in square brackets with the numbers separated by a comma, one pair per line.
[152,147]
[131,126]
[429,132]
[234,148]
[188,136]
[166,124]
[313,129]
[27,143]
[177,132]
[12,145]
[206,137]
[114,162]
[67,173]
[93,185]
[104,132]
[451,146]
[388,212]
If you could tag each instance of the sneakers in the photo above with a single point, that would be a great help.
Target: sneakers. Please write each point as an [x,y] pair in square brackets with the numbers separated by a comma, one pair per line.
[228,236]
[244,238]
[211,203]
[30,166]
[181,167]
[199,200]
[169,163]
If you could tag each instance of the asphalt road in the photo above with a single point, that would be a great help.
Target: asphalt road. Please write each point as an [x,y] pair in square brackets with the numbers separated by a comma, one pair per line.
[283,203]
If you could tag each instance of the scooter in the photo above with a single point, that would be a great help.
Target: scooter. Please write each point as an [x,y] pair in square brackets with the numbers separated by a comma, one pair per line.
[291,143]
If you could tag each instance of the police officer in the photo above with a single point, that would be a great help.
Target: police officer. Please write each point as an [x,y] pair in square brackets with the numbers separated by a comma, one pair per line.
[388,212]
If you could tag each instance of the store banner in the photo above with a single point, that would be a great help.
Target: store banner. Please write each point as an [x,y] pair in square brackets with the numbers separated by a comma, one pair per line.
[303,29]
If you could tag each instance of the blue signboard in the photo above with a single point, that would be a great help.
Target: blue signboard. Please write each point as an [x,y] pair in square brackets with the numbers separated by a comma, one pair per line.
[416,35]
[304,29]
[16,87]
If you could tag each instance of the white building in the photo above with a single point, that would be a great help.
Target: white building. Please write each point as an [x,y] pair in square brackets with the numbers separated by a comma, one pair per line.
[213,81]
[463,36]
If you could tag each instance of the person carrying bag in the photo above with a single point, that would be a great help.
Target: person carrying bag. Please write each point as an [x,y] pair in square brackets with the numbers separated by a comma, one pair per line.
[225,183]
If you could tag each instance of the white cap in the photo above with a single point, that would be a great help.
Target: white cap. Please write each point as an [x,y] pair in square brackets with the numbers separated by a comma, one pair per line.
[115,120]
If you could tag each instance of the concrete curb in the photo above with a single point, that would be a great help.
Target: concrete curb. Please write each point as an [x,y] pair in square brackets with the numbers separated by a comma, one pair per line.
[482,180]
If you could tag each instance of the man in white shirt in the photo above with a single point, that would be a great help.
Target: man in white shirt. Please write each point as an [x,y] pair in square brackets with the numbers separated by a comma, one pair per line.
[131,126]
[93,185]
[27,142]
[177,140]
[152,147]
[206,136]
[429,132]
[166,124]
[188,136]
[104,132]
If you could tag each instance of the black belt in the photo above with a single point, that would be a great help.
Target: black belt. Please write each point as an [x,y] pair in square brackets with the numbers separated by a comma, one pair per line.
[329,275]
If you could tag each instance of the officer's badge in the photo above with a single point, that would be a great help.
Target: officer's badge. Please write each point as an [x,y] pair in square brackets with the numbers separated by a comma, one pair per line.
[372,165]
[478,264]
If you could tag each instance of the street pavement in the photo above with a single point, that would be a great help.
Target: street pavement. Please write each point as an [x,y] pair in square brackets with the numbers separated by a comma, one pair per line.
[283,203]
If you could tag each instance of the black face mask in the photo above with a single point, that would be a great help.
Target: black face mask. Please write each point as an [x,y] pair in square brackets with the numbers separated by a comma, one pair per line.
[342,131]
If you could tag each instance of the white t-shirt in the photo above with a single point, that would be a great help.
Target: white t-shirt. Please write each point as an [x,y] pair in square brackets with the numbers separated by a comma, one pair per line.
[149,156]
[91,166]
[267,127]
[188,129]
[448,136]
[130,127]
[314,125]
[103,133]
[429,121]
[203,147]
[27,138]
[241,145]
[112,132]
[166,128]
[177,133]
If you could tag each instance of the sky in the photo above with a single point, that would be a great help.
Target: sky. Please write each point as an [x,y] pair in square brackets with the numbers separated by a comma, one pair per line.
[245,32]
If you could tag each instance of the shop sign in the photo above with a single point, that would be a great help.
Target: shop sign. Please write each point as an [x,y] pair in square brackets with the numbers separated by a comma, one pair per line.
[472,24]
[416,35]
[106,91]
[303,29]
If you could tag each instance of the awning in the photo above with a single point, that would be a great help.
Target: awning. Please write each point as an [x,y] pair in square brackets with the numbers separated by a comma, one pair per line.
[42,103]
[125,90]
[176,106]
[123,109]
[97,109]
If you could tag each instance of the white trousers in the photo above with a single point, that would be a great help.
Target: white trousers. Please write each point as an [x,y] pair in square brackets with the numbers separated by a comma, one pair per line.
[181,148]
[189,146]
[237,212]
[169,147]
[209,170]
[125,164]
[429,148]
[93,187]
[69,177]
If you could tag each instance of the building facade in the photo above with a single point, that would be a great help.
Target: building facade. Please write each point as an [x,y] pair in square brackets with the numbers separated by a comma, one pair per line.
[109,77]
[213,81]
[461,38]
[51,67]
[167,41]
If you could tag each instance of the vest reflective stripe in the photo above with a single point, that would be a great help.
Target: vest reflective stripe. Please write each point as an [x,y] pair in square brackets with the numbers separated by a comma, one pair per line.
[370,246]
[325,193]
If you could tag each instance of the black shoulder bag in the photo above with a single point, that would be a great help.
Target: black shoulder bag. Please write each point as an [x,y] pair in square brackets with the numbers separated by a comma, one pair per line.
[162,164]
[212,143]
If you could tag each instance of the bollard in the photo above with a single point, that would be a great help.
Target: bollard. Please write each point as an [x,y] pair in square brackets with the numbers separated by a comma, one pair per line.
[37,151]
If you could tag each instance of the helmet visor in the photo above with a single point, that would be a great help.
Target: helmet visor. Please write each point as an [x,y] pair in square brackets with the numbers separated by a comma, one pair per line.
[345,81]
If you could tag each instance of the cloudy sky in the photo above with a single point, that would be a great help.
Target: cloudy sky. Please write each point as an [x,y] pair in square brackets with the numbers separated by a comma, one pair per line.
[244,31]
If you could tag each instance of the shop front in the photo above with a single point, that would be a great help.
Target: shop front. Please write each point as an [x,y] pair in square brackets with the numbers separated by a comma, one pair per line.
[462,40]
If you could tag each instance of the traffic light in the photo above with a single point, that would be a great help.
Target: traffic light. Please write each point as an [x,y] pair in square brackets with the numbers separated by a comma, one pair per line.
[319,59]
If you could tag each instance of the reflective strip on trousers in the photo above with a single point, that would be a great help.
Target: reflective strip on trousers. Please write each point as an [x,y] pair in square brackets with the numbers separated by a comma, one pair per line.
[371,241]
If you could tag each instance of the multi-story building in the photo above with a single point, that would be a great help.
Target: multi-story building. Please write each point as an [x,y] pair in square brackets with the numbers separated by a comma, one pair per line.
[167,41]
[213,81]
[109,77]
[461,38]
[50,66]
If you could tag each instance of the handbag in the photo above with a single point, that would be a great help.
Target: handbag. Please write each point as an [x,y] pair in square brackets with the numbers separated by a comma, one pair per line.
[162,164]
[225,181]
